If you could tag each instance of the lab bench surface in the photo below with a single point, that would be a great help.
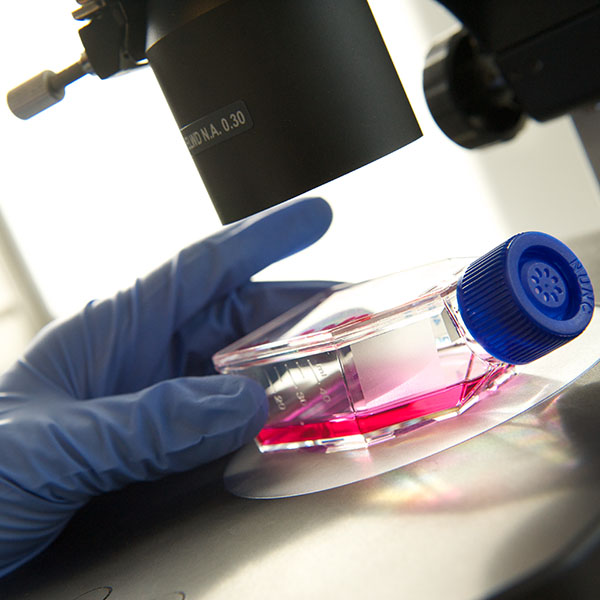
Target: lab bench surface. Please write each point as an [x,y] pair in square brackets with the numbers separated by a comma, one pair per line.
[463,523]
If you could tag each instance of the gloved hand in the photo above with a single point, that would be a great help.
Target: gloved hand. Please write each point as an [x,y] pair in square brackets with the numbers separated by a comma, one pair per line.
[125,390]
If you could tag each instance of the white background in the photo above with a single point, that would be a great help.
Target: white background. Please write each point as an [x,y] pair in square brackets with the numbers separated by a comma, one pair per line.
[100,188]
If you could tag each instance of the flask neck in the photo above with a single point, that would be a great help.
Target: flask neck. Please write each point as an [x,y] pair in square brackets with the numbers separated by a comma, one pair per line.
[452,305]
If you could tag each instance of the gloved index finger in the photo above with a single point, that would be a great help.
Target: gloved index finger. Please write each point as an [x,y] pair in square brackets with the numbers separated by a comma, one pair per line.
[214,267]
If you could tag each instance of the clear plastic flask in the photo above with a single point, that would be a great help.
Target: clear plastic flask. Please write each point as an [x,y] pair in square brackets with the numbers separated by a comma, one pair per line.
[361,363]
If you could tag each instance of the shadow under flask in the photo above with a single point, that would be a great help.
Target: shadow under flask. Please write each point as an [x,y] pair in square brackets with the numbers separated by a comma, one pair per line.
[362,363]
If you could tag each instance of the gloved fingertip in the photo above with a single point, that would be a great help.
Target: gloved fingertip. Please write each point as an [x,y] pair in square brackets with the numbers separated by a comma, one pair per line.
[291,226]
[226,411]
[316,203]
[249,398]
[229,412]
[316,211]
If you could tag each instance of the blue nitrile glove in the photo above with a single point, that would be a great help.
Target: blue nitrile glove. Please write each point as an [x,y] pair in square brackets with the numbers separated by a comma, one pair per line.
[125,390]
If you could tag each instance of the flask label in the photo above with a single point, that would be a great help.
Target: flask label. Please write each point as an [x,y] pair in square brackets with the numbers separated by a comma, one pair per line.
[397,363]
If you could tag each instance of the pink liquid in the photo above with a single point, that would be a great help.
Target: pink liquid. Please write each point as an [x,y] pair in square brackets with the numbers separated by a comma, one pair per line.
[366,422]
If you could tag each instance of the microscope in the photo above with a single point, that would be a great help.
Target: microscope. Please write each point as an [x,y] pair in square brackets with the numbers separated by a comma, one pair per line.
[275,98]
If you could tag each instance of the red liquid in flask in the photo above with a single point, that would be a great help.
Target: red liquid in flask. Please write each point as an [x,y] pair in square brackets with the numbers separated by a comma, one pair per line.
[380,423]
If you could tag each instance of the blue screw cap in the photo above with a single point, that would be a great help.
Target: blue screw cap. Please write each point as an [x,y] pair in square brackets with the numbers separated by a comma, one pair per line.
[525,298]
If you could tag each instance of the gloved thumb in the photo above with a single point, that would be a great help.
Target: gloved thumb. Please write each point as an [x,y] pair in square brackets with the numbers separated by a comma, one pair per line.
[170,427]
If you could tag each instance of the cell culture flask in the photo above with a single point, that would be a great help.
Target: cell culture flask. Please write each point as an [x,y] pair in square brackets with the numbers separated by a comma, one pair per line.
[361,363]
